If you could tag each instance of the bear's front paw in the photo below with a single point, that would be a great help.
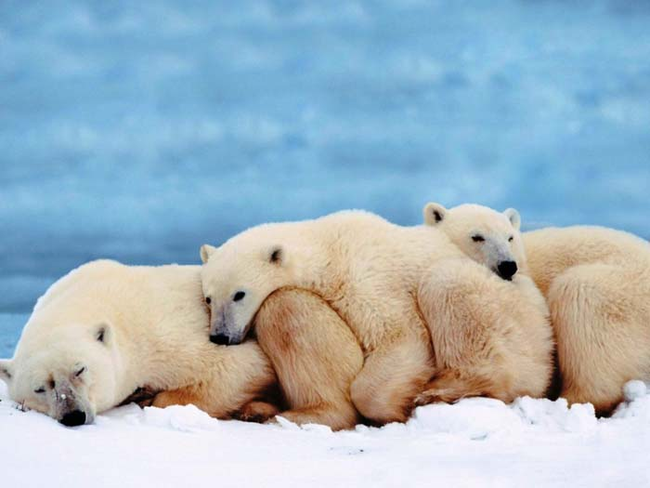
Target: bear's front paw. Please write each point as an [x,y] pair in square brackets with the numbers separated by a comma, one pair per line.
[256,411]
[435,395]
[143,396]
[424,398]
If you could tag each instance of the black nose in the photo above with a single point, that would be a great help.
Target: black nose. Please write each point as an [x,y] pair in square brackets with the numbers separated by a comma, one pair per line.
[74,418]
[220,339]
[507,269]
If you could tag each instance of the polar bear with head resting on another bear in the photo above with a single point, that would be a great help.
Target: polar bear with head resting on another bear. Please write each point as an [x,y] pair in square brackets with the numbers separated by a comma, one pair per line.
[597,284]
[483,234]
[385,282]
[489,323]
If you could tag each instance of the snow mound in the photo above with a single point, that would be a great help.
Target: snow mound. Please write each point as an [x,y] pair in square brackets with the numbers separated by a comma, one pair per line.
[289,425]
[478,418]
[634,390]
[184,419]
[637,403]
[178,418]
[556,416]
[473,418]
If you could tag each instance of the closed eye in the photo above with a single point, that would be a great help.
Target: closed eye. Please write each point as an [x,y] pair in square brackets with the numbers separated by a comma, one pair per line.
[511,238]
[478,238]
[40,390]
[80,371]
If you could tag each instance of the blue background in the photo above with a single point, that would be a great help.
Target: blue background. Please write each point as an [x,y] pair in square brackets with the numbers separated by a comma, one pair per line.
[140,130]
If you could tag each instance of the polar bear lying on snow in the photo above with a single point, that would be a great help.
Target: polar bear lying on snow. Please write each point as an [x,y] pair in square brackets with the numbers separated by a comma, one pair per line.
[382,280]
[106,329]
[597,285]
[489,323]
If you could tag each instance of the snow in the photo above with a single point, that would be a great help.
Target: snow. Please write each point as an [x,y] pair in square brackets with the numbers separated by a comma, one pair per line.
[477,442]
[634,389]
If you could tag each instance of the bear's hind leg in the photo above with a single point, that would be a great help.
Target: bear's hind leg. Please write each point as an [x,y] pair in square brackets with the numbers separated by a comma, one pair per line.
[601,316]
[315,355]
[391,378]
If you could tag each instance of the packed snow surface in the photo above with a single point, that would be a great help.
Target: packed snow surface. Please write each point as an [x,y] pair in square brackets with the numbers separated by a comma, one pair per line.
[477,442]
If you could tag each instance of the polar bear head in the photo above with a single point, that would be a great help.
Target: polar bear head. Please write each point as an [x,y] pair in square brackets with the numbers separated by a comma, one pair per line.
[485,235]
[67,372]
[240,274]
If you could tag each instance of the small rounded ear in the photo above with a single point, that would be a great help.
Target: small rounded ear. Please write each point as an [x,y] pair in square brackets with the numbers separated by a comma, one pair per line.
[104,333]
[434,213]
[276,255]
[6,370]
[206,252]
[513,217]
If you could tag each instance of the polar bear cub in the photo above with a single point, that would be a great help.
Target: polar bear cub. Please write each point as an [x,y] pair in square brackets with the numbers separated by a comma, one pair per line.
[489,323]
[483,234]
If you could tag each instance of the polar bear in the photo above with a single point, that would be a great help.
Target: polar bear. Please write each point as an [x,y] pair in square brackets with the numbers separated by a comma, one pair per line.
[597,284]
[377,277]
[106,329]
[366,268]
[489,322]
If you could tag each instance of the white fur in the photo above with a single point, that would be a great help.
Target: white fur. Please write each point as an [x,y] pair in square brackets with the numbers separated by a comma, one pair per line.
[597,283]
[367,269]
[106,329]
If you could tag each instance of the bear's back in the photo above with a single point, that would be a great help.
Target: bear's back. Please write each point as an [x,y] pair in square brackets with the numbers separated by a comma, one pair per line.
[553,250]
[378,268]
[130,297]
[587,243]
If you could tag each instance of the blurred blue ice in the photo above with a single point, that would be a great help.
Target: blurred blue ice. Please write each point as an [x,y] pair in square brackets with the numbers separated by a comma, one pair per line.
[140,130]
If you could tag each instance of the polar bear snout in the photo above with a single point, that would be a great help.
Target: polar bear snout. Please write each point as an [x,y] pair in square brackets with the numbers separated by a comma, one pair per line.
[74,418]
[71,408]
[506,269]
[224,329]
[75,414]
[220,339]
[226,338]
